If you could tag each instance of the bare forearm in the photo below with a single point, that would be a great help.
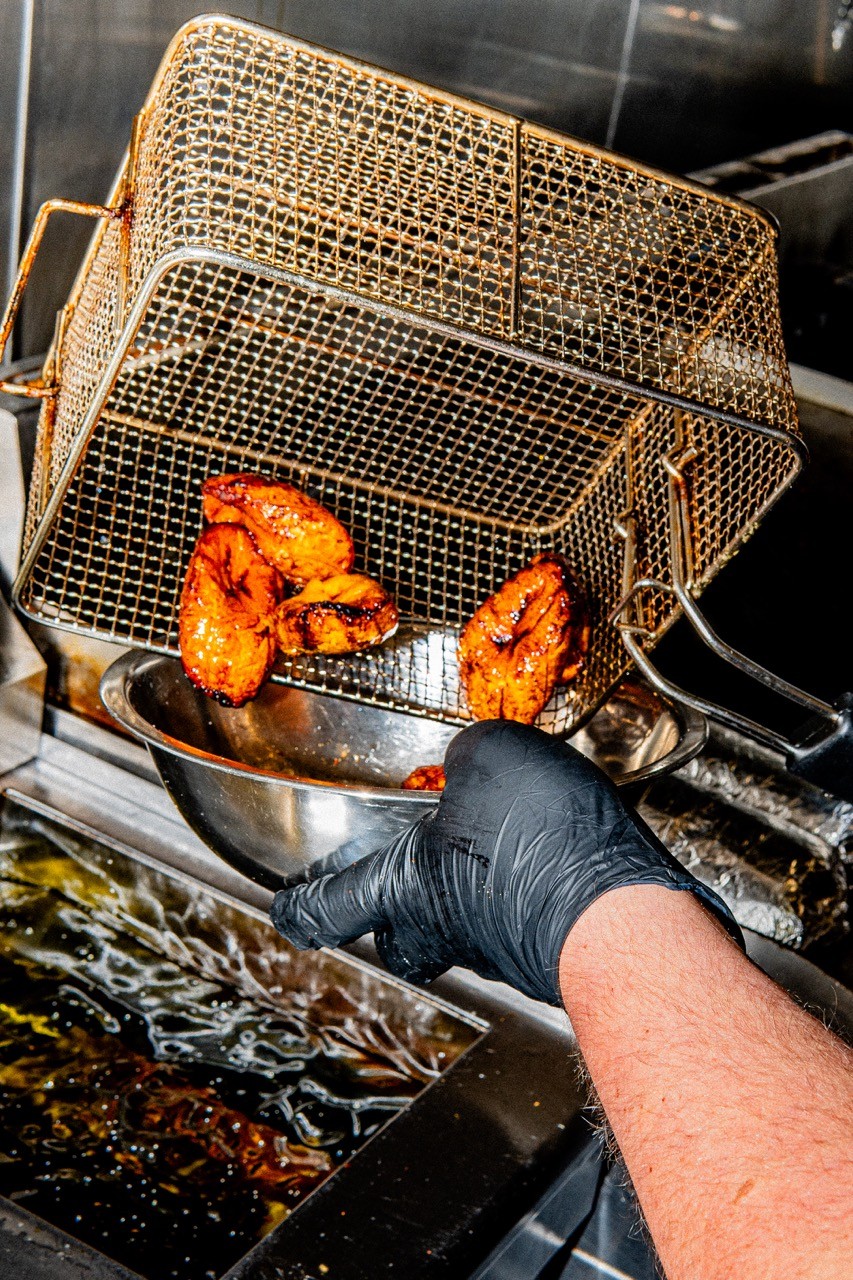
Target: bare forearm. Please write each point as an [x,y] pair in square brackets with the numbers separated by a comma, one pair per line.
[732,1107]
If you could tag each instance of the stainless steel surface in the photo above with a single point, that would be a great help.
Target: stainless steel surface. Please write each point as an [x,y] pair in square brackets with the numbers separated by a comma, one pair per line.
[632,15]
[91,784]
[116,806]
[721,80]
[636,736]
[26,14]
[814,211]
[554,61]
[22,680]
[540,1232]
[22,669]
[294,781]
[12,76]
[480,1100]
[793,163]
[527,1250]
[12,501]
[817,390]
[75,664]
[808,186]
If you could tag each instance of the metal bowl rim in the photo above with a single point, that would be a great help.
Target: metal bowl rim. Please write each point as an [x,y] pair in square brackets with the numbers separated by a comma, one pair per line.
[113,692]
[694,734]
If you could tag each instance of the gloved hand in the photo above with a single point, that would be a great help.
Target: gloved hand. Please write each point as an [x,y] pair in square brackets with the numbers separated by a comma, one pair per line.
[526,835]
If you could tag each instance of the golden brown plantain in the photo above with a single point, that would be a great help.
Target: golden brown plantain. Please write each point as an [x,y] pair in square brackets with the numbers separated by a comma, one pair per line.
[226,618]
[337,615]
[293,532]
[427,777]
[527,638]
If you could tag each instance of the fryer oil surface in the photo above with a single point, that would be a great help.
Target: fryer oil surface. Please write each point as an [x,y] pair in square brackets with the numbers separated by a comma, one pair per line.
[151,1108]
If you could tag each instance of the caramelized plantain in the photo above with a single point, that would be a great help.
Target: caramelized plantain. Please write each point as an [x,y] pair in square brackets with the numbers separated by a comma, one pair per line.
[527,638]
[226,618]
[293,532]
[427,777]
[341,614]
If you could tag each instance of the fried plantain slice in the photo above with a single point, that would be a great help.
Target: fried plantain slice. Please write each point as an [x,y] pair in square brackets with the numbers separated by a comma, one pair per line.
[229,597]
[293,531]
[427,777]
[341,614]
[527,638]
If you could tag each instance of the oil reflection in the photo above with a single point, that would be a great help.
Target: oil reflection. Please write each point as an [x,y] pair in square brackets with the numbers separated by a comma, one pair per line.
[167,1118]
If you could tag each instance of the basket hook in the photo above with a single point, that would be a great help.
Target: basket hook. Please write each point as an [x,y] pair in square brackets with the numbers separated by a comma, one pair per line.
[824,752]
[39,390]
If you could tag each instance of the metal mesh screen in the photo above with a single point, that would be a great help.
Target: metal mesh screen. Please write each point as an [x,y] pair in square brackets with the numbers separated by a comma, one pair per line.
[463,334]
[295,158]
[634,275]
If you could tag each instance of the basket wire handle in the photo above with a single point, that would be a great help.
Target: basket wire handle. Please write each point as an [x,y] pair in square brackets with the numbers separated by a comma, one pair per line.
[39,390]
[824,753]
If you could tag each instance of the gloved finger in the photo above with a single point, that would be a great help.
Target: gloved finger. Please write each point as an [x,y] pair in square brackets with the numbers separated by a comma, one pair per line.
[491,765]
[493,748]
[408,961]
[335,909]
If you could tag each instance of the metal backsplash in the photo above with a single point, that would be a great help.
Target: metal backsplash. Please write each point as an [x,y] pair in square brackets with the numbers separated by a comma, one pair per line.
[13,84]
[676,85]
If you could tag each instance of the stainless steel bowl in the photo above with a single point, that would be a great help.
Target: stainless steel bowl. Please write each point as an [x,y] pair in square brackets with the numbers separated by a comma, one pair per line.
[295,783]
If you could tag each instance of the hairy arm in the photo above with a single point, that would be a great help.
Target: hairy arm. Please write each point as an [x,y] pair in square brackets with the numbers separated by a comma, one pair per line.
[732,1106]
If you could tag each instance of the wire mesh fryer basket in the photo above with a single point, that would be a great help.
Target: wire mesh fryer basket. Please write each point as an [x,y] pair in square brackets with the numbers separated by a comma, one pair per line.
[472,338]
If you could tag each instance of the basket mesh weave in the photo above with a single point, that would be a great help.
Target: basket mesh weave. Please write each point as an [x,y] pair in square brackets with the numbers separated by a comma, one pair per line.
[472,338]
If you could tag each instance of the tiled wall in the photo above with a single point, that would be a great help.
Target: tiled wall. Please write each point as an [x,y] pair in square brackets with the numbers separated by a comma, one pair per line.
[679,86]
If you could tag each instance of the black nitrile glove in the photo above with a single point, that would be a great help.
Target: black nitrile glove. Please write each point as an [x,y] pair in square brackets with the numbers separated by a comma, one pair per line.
[526,835]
